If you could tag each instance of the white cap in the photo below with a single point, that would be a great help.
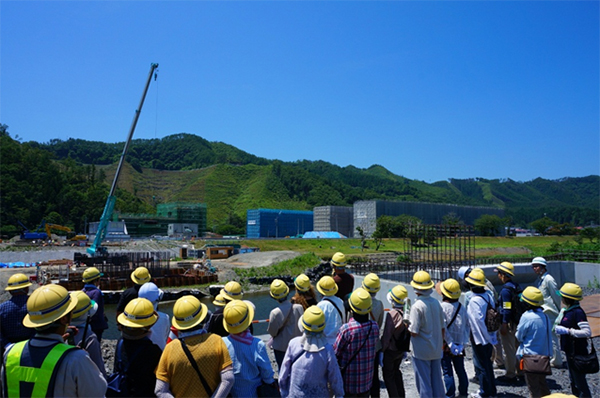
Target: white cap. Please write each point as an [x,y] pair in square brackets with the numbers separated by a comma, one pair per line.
[150,292]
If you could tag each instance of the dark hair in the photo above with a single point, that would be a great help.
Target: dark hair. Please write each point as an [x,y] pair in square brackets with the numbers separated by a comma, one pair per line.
[477,289]
[568,301]
[360,318]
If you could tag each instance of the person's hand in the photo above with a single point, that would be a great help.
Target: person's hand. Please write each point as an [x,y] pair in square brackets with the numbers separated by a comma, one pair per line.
[70,333]
[561,330]
[504,329]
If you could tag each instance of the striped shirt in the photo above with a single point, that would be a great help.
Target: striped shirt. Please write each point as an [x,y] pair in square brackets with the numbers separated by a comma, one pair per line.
[358,376]
[251,365]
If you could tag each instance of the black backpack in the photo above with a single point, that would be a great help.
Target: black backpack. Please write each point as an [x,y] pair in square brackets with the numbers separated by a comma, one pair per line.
[517,306]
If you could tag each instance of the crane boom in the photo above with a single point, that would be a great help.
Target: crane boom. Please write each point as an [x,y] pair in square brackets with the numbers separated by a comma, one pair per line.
[96,248]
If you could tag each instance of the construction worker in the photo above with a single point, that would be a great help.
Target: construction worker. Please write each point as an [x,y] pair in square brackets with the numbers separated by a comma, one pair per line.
[427,335]
[372,284]
[283,320]
[14,310]
[547,285]
[332,306]
[136,354]
[482,341]
[534,333]
[510,289]
[91,278]
[456,338]
[139,276]
[344,280]
[197,364]
[305,293]
[85,337]
[251,363]
[574,331]
[31,367]
[310,368]
[355,346]
[395,341]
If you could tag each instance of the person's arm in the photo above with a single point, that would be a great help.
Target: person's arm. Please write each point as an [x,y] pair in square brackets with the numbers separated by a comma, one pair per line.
[162,389]
[264,363]
[227,379]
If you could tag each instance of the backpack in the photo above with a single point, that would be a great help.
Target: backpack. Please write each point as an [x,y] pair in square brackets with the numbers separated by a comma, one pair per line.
[403,341]
[517,306]
[118,381]
[493,318]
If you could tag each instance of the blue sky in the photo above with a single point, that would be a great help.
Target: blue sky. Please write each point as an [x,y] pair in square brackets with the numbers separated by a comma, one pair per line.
[429,90]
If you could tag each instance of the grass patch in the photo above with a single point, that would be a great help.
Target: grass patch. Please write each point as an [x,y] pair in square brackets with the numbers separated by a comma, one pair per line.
[291,267]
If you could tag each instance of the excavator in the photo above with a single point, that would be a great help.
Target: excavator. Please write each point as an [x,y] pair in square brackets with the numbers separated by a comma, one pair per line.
[96,249]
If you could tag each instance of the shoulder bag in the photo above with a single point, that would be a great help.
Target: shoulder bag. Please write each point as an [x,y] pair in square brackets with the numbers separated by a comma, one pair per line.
[586,363]
[535,363]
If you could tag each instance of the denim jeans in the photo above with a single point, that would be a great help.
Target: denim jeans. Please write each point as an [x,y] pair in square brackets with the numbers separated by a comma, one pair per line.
[458,362]
[482,359]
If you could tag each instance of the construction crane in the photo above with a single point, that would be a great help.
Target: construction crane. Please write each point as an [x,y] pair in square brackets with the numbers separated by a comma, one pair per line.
[96,249]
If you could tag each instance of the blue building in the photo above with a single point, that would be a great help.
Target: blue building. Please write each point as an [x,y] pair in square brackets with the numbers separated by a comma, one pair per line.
[273,223]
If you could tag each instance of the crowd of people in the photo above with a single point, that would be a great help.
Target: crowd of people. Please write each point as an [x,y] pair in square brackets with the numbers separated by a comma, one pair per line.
[328,346]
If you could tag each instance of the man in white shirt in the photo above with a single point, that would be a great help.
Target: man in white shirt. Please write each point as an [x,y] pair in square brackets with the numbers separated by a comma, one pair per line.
[427,335]
[547,285]
[482,341]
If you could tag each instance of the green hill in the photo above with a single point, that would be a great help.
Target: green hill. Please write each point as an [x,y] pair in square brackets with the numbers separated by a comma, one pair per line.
[66,182]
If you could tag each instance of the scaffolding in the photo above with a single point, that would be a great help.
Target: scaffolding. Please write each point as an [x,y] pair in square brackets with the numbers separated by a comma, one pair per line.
[334,218]
[366,212]
[275,223]
[438,249]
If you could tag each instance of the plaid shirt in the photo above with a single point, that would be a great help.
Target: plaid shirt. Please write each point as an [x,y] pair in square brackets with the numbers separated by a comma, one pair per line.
[12,313]
[358,376]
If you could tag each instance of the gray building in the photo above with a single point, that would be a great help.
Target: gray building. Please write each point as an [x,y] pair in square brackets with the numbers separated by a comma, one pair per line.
[366,212]
[334,218]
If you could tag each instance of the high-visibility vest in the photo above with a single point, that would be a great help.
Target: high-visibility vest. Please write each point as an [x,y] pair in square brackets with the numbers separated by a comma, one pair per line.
[21,368]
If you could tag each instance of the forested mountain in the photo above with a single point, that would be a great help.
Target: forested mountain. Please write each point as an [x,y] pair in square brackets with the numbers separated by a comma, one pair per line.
[66,182]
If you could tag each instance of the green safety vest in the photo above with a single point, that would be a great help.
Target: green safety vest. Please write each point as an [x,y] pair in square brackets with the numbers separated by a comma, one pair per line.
[40,377]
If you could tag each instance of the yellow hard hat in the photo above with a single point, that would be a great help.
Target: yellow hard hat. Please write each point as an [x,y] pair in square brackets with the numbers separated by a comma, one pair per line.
[338,260]
[313,319]
[90,274]
[327,286]
[84,304]
[232,291]
[139,313]
[188,312]
[237,316]
[360,301]
[398,294]
[140,275]
[533,296]
[47,304]
[571,291]
[219,301]
[371,283]
[476,277]
[302,283]
[18,281]
[421,280]
[279,289]
[506,268]
[450,288]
